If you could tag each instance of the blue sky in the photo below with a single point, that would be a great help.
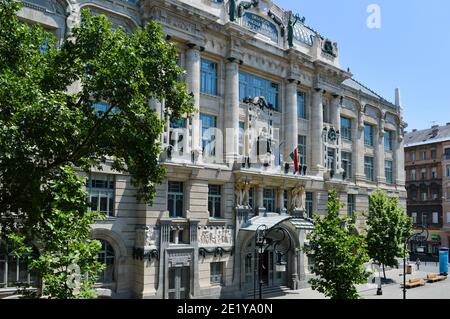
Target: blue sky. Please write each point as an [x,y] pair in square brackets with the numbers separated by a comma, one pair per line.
[411,50]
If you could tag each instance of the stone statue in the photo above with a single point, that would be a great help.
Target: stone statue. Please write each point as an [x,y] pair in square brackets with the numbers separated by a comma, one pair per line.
[290,28]
[246,198]
[298,197]
[239,194]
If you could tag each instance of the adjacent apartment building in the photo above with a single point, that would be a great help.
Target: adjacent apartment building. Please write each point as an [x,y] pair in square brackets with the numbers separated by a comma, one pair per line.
[276,84]
[427,165]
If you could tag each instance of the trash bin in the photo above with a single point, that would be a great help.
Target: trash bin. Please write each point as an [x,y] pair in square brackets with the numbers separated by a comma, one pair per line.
[409,269]
[443,261]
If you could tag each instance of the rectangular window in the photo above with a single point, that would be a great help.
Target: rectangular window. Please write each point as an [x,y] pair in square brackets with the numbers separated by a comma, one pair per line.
[447,153]
[346,128]
[368,168]
[101,189]
[309,202]
[214,200]
[350,205]
[433,173]
[424,219]
[216,270]
[208,138]
[424,174]
[208,74]
[347,165]
[388,141]
[424,196]
[175,199]
[368,135]
[433,154]
[412,156]
[448,192]
[253,86]
[423,155]
[269,200]
[447,170]
[414,218]
[448,218]
[413,175]
[302,149]
[301,107]
[388,172]
[285,199]
[435,218]
[241,137]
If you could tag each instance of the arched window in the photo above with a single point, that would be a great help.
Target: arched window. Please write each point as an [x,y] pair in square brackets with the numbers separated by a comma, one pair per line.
[106,256]
[13,270]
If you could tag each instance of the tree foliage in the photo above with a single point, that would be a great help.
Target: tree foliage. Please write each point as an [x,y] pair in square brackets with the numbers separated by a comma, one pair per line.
[49,122]
[339,254]
[387,229]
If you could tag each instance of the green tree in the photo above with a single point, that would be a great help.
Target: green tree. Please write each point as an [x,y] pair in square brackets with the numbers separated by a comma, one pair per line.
[47,126]
[339,254]
[387,229]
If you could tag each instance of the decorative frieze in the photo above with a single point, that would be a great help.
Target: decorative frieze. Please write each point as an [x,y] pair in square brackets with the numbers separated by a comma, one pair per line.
[215,236]
[147,236]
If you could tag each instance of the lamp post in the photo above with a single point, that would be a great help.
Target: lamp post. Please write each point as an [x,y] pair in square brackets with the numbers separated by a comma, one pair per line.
[423,230]
[263,242]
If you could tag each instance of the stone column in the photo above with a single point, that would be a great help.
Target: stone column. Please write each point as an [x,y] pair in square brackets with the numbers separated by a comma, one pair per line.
[379,156]
[335,115]
[280,200]
[291,120]
[399,158]
[317,156]
[358,148]
[259,199]
[231,129]
[193,85]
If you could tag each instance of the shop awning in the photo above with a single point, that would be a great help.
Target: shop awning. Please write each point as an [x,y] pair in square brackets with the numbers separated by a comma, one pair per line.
[271,221]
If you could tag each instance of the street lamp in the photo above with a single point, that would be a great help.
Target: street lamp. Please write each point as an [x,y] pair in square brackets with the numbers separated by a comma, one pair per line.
[263,243]
[423,230]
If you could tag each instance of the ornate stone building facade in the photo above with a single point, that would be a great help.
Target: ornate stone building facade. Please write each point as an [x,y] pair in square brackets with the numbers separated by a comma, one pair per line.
[267,86]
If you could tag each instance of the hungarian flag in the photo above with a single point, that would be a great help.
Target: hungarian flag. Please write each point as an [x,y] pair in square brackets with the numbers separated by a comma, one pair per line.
[294,156]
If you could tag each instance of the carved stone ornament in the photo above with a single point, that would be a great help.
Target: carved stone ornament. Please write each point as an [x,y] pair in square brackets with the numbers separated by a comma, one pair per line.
[147,236]
[298,197]
[215,236]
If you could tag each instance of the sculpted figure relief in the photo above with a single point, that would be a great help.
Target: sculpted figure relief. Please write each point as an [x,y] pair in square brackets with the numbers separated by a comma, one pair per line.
[298,197]
[242,193]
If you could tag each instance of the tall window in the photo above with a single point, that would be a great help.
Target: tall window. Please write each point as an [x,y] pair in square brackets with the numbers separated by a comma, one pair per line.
[388,141]
[368,135]
[285,199]
[301,107]
[424,174]
[214,200]
[447,170]
[241,137]
[413,175]
[414,218]
[423,155]
[302,149]
[433,173]
[101,193]
[208,135]
[347,165]
[412,156]
[424,219]
[13,270]
[252,86]
[269,199]
[346,128]
[216,271]
[433,154]
[368,168]
[106,256]
[309,202]
[388,172]
[350,205]
[447,153]
[175,199]
[435,218]
[208,73]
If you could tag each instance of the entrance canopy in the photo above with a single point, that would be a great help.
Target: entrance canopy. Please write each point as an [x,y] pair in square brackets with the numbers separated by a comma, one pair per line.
[271,220]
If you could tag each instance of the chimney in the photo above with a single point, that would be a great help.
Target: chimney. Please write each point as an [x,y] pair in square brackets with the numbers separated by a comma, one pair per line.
[435,127]
[398,98]
[414,130]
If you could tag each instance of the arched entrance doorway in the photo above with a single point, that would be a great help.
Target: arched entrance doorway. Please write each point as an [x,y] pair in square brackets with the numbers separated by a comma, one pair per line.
[268,259]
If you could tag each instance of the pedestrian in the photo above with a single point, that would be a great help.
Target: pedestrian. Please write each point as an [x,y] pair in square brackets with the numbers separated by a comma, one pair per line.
[418,263]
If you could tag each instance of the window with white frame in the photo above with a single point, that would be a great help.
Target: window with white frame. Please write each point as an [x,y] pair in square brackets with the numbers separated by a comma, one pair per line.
[101,189]
[435,218]
[106,256]
[388,172]
[208,138]
[309,203]
[14,271]
[412,156]
[424,219]
[269,199]
[350,205]
[301,105]
[175,199]
[388,140]
[347,164]
[346,128]
[368,135]
[414,218]
[214,200]
[424,196]
[369,168]
[208,78]
[302,149]
[413,175]
[423,155]
[216,271]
